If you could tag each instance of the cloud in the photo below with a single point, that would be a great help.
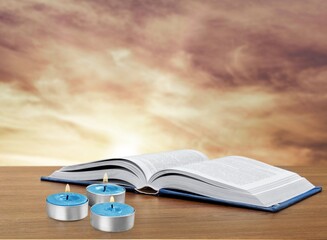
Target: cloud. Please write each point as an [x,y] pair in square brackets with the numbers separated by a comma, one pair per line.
[83,80]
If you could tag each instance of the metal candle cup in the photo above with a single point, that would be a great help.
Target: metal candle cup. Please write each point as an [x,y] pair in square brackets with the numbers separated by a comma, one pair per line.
[112,217]
[67,206]
[100,193]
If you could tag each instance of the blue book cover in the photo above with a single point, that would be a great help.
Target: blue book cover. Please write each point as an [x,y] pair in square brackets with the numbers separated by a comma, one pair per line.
[274,208]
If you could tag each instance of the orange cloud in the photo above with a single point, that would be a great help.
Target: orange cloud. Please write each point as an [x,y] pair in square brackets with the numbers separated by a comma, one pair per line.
[87,80]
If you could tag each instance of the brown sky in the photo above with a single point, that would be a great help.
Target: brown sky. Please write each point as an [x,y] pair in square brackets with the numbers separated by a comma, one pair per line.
[86,80]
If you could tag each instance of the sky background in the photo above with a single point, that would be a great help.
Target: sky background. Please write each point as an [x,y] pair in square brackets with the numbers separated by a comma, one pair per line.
[88,80]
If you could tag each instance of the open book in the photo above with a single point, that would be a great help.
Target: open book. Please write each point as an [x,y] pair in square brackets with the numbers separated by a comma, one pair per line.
[233,180]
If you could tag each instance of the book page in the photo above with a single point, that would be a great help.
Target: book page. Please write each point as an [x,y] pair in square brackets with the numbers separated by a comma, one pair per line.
[240,172]
[152,163]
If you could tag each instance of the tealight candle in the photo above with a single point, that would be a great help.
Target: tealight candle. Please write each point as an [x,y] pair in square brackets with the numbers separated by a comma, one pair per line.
[100,193]
[112,216]
[67,206]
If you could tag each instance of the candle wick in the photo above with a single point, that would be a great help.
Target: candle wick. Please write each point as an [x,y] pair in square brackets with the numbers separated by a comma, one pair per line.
[104,188]
[112,206]
[67,196]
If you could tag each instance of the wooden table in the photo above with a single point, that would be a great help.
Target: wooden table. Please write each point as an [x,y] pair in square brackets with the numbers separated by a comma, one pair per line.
[23,215]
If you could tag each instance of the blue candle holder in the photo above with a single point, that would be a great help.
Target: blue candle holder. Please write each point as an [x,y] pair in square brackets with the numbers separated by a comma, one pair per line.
[100,193]
[112,216]
[67,206]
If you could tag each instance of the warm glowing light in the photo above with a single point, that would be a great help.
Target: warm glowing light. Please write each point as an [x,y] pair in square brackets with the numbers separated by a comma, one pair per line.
[105,178]
[112,199]
[126,149]
[67,189]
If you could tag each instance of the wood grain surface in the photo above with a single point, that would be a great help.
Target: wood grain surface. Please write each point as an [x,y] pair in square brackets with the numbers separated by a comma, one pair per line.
[23,215]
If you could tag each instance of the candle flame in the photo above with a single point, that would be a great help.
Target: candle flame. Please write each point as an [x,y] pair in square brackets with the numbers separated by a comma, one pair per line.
[112,199]
[105,178]
[67,189]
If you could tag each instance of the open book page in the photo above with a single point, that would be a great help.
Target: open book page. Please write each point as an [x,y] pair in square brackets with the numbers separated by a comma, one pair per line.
[152,163]
[95,170]
[236,172]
